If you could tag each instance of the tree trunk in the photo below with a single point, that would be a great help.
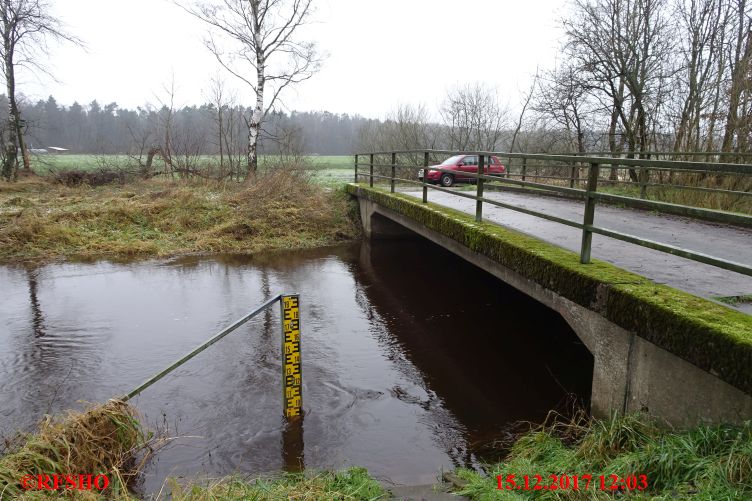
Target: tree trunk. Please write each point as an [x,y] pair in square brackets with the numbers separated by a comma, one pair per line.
[738,76]
[613,174]
[254,125]
[22,147]
[221,124]
[10,163]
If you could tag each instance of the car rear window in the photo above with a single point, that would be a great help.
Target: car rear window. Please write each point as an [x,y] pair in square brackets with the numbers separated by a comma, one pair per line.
[451,160]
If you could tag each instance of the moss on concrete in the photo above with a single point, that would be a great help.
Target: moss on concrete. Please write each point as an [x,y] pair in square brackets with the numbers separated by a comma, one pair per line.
[706,334]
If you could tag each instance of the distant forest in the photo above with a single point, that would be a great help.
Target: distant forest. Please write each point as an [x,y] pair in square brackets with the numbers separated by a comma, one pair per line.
[110,129]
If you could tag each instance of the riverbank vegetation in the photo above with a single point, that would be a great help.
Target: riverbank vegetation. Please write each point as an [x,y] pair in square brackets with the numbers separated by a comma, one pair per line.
[352,484]
[702,463]
[104,440]
[108,440]
[707,462]
[42,220]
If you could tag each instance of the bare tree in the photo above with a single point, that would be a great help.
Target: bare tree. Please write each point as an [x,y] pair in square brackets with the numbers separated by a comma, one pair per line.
[218,98]
[227,119]
[562,98]
[289,144]
[702,36]
[262,39]
[740,88]
[623,49]
[405,128]
[26,28]
[473,117]
[525,103]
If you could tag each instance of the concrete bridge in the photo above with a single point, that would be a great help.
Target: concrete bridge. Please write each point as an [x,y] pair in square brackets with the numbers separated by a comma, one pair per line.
[656,348]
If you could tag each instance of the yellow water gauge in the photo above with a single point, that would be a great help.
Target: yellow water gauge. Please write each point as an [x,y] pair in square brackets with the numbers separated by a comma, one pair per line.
[292,373]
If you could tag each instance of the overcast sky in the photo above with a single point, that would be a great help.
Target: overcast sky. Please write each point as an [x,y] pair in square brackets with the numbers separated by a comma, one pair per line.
[380,52]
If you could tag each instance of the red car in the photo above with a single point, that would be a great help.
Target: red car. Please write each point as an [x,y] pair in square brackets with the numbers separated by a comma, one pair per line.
[460,164]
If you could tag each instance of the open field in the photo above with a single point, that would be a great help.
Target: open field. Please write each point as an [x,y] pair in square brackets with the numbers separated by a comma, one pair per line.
[50,162]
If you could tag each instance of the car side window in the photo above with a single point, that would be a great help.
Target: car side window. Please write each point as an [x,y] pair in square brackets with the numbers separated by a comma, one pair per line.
[470,160]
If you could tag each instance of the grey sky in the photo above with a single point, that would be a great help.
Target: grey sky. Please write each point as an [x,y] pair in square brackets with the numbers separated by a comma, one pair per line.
[380,52]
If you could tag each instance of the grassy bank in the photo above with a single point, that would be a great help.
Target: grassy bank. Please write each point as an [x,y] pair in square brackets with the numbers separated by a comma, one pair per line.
[352,484]
[106,439]
[40,220]
[109,440]
[704,463]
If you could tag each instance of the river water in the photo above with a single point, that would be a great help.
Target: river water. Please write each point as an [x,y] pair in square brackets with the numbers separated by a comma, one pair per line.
[413,360]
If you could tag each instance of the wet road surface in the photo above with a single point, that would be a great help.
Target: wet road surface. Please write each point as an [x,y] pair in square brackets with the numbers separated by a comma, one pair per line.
[727,242]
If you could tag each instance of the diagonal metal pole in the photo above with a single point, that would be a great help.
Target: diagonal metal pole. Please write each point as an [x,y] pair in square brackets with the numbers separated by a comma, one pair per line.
[156,377]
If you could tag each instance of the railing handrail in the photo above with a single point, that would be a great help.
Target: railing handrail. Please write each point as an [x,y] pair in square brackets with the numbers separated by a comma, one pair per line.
[666,153]
[601,160]
[590,194]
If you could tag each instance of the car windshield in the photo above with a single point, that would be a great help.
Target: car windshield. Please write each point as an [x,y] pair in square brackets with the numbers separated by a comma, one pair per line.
[452,160]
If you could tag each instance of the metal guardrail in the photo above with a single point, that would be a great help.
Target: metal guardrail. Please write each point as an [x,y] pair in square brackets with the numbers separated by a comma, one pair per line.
[291,367]
[590,194]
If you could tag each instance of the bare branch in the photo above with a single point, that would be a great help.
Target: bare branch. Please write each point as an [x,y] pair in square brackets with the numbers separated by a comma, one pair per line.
[262,50]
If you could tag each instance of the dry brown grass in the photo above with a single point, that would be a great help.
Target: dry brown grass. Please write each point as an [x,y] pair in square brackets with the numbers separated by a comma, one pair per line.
[105,439]
[708,200]
[41,221]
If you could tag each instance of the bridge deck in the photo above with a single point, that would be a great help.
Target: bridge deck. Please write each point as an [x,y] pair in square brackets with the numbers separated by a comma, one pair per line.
[703,280]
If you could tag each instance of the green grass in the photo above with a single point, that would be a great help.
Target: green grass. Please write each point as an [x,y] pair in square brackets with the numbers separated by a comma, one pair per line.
[734,300]
[109,440]
[50,162]
[332,161]
[351,484]
[44,163]
[702,463]
[326,170]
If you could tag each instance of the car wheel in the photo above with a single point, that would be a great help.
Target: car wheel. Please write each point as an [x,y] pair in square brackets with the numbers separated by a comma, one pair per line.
[447,180]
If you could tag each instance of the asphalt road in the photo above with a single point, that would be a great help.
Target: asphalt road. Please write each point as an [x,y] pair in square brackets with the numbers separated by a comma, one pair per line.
[717,240]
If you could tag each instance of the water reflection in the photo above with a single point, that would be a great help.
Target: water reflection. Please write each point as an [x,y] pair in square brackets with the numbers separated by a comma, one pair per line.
[36,310]
[413,360]
[292,445]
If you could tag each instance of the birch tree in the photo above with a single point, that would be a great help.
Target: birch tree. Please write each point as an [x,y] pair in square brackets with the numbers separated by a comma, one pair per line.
[26,28]
[257,42]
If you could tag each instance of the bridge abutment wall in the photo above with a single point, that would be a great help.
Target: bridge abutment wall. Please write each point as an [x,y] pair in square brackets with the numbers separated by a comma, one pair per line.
[630,372]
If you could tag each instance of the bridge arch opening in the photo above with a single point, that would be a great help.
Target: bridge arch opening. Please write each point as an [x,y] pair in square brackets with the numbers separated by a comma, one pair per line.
[379,227]
[485,343]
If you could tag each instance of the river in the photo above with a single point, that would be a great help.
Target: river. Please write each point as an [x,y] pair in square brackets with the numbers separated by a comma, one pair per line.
[413,360]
